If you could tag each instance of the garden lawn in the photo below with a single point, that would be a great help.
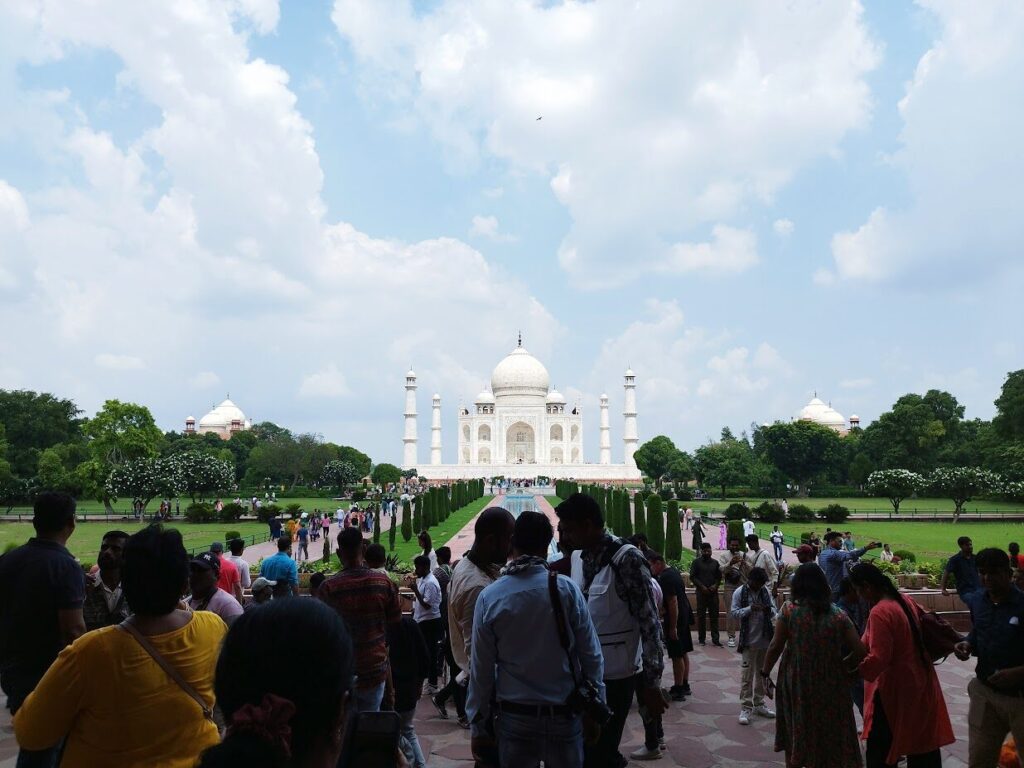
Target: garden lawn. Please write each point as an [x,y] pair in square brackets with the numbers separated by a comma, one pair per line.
[85,542]
[932,541]
[439,534]
[93,507]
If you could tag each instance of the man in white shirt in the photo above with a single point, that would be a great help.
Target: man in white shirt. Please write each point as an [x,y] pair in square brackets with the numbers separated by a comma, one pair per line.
[426,610]
[755,557]
[237,547]
[748,528]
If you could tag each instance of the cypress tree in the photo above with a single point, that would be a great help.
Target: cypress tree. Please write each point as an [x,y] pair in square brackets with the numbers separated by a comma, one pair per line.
[673,532]
[393,532]
[377,520]
[406,521]
[625,521]
[655,524]
[639,519]
[417,515]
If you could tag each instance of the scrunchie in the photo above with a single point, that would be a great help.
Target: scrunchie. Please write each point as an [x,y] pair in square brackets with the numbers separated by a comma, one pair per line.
[268,721]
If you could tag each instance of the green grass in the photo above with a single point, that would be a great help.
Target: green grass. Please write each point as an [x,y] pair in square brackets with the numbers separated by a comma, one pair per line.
[85,542]
[932,541]
[439,534]
[92,507]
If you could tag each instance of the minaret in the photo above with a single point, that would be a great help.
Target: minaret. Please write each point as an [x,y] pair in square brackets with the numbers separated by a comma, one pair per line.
[606,438]
[629,433]
[435,431]
[409,459]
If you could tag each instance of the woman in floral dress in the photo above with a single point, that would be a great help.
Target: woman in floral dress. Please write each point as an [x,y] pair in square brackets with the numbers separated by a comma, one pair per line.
[815,726]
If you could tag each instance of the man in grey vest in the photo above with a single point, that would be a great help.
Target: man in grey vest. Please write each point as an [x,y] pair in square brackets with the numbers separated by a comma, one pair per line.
[616,580]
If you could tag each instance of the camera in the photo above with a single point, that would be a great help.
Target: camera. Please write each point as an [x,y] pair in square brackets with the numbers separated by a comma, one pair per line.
[586,700]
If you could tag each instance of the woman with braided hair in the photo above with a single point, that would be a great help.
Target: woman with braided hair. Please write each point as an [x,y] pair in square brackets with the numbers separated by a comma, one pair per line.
[904,711]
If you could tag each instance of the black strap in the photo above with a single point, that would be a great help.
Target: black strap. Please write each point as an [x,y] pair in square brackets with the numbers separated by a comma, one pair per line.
[560,624]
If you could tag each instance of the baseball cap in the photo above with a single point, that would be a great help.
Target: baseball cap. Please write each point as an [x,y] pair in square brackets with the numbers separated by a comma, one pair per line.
[805,550]
[262,583]
[207,561]
[217,547]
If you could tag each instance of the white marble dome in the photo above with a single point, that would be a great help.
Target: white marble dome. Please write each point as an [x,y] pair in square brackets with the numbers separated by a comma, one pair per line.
[554,396]
[821,413]
[485,396]
[223,415]
[520,373]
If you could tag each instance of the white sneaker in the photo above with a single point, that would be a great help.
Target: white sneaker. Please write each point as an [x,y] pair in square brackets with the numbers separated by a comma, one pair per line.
[429,689]
[732,642]
[763,711]
[646,754]
[745,717]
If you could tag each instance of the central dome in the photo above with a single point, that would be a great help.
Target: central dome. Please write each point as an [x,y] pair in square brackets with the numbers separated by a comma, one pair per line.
[520,373]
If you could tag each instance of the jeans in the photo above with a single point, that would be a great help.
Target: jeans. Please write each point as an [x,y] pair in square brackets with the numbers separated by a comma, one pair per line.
[707,604]
[778,550]
[525,741]
[453,690]
[880,739]
[369,699]
[654,731]
[605,753]
[409,744]
[751,682]
[433,632]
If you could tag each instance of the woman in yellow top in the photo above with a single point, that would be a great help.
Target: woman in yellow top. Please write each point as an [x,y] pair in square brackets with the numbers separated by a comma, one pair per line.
[107,697]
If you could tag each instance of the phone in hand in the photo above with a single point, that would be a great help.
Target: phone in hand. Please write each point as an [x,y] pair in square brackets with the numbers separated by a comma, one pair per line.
[769,688]
[371,740]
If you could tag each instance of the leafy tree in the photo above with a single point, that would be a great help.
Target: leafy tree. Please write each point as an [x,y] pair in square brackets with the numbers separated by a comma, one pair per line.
[406,520]
[673,532]
[801,450]
[198,475]
[961,484]
[142,479]
[860,469]
[339,474]
[1009,420]
[656,457]
[895,485]
[51,474]
[356,458]
[720,465]
[119,432]
[33,422]
[915,432]
[385,474]
[655,523]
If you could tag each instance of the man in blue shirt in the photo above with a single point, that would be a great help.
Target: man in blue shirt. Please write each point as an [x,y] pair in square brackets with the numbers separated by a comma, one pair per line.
[519,663]
[282,569]
[997,639]
[833,559]
[963,568]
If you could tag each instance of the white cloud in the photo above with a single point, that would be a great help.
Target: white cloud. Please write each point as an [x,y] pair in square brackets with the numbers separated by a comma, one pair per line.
[119,362]
[730,251]
[487,227]
[203,237]
[204,380]
[963,115]
[690,379]
[862,383]
[746,96]
[783,227]
[329,382]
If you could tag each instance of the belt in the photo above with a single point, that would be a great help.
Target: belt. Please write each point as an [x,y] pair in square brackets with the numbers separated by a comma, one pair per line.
[536,710]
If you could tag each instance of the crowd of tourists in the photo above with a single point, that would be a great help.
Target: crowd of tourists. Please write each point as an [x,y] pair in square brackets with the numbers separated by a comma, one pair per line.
[153,658]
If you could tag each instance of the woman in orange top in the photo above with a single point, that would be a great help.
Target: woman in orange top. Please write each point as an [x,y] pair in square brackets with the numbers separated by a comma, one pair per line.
[904,711]
[106,695]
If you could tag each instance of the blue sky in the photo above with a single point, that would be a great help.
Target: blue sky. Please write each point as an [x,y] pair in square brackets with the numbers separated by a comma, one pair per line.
[293,202]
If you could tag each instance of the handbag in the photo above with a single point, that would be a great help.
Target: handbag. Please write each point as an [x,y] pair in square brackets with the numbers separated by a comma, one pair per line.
[165,665]
[938,636]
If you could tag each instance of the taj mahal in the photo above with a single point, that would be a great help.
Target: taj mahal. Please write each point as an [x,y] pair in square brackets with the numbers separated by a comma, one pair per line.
[521,427]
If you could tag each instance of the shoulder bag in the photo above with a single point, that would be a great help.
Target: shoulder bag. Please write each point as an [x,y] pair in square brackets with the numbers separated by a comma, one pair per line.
[165,665]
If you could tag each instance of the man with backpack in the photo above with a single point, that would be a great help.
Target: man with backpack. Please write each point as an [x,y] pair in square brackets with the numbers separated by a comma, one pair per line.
[616,580]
